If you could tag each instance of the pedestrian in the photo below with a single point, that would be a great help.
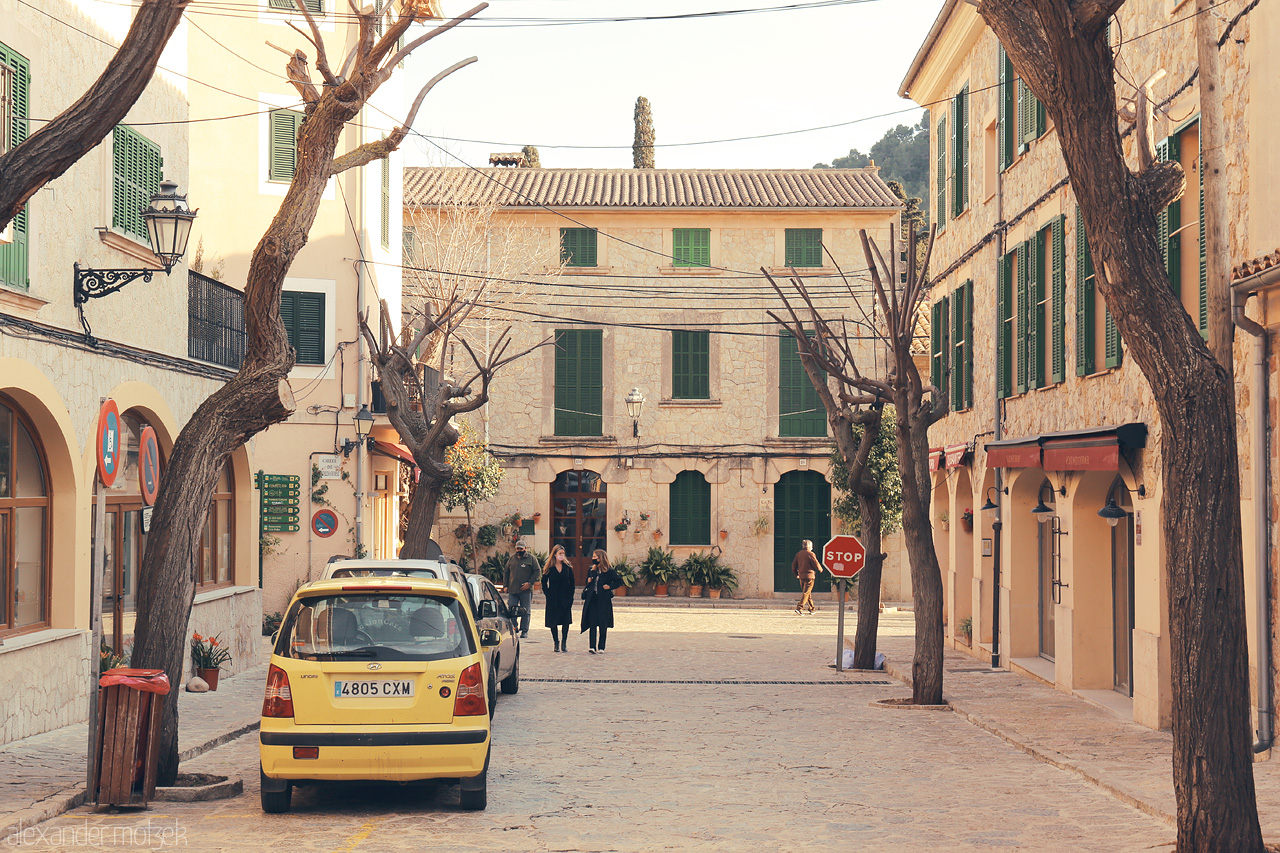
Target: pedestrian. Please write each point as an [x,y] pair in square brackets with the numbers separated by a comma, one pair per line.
[559,586]
[522,571]
[597,600]
[806,568]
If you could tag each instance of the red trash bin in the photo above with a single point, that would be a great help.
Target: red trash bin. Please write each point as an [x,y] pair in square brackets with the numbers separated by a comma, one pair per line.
[127,746]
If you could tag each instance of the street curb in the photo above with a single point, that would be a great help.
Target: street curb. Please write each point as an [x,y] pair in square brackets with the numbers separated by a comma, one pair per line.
[1048,756]
[72,797]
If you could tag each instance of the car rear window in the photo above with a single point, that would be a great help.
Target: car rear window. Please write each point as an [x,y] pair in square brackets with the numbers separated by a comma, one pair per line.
[376,626]
[386,573]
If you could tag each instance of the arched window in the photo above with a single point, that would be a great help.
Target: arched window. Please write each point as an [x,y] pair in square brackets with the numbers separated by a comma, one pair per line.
[216,544]
[690,509]
[24,525]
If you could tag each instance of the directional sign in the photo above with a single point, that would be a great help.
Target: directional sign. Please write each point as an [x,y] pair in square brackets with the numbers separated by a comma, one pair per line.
[110,453]
[280,515]
[148,465]
[324,523]
[278,479]
[280,528]
[293,501]
[843,556]
[279,492]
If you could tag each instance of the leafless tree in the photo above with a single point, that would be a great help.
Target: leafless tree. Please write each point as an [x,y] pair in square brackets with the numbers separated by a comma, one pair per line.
[918,406]
[1061,50]
[259,395]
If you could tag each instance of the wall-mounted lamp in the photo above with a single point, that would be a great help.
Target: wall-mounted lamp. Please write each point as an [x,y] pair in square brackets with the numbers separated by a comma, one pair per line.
[1042,512]
[1111,512]
[991,501]
[364,423]
[635,405]
[168,222]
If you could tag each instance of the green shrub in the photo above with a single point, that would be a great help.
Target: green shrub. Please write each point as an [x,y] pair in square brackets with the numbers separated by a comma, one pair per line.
[495,567]
[659,567]
[698,568]
[626,572]
[487,535]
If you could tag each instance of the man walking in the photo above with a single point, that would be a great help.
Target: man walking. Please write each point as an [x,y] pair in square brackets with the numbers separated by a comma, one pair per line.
[806,568]
[522,574]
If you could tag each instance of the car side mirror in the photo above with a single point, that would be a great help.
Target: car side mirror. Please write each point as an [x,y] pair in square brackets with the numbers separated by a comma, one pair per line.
[490,637]
[488,609]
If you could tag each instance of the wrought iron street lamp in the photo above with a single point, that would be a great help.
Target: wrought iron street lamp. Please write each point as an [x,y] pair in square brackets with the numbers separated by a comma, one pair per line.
[635,405]
[364,423]
[1111,512]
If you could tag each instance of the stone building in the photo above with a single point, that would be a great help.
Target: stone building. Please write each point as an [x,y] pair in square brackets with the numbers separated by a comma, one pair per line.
[659,294]
[1050,421]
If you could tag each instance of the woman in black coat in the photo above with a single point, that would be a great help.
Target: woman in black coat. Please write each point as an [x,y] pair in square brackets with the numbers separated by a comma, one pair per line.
[559,586]
[597,599]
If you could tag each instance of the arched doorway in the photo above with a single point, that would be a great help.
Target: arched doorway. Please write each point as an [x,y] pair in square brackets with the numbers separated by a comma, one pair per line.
[578,517]
[801,510]
[1047,537]
[1122,589]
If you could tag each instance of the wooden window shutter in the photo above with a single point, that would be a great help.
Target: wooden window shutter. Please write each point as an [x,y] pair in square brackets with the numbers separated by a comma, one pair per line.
[964,147]
[578,247]
[690,509]
[1204,271]
[691,365]
[691,247]
[385,210]
[1008,111]
[1114,353]
[1084,301]
[1059,265]
[1023,313]
[941,206]
[800,410]
[1036,328]
[1169,221]
[282,156]
[377,17]
[14,270]
[967,289]
[579,382]
[960,152]
[958,341]
[803,247]
[303,316]
[935,345]
[136,171]
[1004,333]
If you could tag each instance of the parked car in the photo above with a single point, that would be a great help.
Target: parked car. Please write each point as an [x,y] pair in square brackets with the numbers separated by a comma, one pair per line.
[492,612]
[402,568]
[377,679]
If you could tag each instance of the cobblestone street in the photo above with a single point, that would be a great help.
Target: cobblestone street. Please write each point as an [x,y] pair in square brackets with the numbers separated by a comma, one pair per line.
[605,753]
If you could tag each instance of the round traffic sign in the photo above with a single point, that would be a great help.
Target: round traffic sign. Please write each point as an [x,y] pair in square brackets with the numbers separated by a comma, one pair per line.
[110,453]
[148,465]
[844,556]
[324,523]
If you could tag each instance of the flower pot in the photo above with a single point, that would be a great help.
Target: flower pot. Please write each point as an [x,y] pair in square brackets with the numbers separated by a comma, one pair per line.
[210,677]
[967,526]
[660,590]
[622,590]
[713,592]
[695,590]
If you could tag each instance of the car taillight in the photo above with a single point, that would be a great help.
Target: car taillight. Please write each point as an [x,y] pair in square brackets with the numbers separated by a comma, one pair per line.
[278,701]
[470,701]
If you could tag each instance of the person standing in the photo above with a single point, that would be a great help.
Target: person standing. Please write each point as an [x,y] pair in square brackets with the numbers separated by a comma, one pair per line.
[597,600]
[522,572]
[559,586]
[806,568]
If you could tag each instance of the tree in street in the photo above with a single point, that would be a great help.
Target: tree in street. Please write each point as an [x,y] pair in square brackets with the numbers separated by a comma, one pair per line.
[35,160]
[642,145]
[259,394]
[476,477]
[1061,50]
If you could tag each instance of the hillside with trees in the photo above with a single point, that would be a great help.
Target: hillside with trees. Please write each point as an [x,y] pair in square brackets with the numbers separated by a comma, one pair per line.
[902,155]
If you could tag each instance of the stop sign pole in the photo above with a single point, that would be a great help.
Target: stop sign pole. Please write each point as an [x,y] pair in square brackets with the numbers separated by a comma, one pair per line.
[844,557]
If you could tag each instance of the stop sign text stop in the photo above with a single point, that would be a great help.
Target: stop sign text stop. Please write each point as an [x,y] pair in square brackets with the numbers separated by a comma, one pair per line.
[843,556]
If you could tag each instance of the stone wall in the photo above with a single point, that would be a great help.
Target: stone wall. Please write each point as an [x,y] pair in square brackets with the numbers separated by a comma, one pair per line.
[42,683]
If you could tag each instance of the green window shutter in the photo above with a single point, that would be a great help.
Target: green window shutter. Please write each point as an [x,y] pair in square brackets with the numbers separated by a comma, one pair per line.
[956,327]
[1114,354]
[964,148]
[377,19]
[942,139]
[691,247]
[1169,221]
[386,202]
[1036,329]
[967,320]
[136,171]
[691,365]
[1023,311]
[579,382]
[303,316]
[315,7]
[1008,111]
[14,270]
[800,410]
[1042,118]
[1059,265]
[1004,334]
[960,152]
[1084,301]
[578,247]
[282,154]
[935,345]
[1204,270]
[803,247]
[690,509]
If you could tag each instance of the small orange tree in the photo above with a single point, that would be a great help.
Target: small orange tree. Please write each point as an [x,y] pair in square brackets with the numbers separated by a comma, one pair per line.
[476,476]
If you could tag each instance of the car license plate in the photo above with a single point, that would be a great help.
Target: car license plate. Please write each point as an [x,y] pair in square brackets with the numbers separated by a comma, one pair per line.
[371,689]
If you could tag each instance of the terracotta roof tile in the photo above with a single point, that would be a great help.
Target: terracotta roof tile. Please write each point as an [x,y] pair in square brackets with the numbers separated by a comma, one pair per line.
[1255,266]
[647,188]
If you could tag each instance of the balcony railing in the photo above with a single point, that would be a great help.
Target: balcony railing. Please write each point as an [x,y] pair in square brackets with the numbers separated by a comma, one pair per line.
[215,321]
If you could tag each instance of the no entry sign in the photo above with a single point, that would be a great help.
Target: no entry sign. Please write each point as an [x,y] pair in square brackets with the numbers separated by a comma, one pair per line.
[844,556]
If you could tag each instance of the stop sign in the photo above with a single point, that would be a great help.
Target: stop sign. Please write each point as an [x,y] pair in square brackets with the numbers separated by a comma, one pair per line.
[843,556]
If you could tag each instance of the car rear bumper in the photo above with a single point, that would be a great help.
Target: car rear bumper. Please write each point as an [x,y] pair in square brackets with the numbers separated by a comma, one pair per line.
[390,755]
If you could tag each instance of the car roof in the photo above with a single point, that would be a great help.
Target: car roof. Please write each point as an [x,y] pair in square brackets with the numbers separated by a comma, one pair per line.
[331,586]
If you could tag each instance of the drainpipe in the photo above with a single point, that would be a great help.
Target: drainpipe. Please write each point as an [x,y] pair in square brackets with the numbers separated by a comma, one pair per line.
[1240,293]
[997,526]
[360,274]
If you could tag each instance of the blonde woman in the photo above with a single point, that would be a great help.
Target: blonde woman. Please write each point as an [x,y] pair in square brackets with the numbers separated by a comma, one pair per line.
[597,600]
[559,586]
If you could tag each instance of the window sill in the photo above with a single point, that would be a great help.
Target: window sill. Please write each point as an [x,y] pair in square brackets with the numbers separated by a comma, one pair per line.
[804,271]
[14,642]
[802,441]
[1103,372]
[691,404]
[206,594]
[689,271]
[573,440]
[21,301]
[131,247]
[581,271]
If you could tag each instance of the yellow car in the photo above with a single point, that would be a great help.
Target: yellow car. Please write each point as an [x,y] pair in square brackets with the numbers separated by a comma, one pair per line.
[377,678]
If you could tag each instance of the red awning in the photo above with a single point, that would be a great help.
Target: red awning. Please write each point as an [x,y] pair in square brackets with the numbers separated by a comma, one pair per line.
[1091,449]
[395,451]
[935,458]
[956,455]
[1014,453]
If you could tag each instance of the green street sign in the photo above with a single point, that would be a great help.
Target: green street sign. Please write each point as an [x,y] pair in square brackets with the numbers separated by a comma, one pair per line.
[280,528]
[280,515]
[290,501]
[277,479]
[279,492]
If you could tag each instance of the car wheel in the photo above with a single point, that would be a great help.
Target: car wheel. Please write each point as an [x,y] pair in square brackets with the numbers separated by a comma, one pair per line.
[511,684]
[473,793]
[276,802]
[493,693]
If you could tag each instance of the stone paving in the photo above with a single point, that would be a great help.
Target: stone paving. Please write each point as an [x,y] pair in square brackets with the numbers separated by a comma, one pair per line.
[609,752]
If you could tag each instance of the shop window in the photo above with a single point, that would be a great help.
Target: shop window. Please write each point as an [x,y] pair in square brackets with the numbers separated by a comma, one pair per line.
[24,525]
[216,543]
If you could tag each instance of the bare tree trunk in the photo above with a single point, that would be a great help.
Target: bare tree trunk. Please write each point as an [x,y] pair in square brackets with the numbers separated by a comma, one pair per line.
[1213,172]
[868,627]
[56,147]
[1059,49]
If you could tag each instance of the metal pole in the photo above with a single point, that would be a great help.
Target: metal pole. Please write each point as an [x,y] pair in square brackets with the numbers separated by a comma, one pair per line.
[95,630]
[840,631]
[996,527]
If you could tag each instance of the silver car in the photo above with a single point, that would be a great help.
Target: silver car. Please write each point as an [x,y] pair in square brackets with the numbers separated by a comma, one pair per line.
[491,611]
[403,568]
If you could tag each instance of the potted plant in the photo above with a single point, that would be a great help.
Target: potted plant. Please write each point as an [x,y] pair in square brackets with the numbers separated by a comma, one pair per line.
[627,573]
[495,567]
[966,519]
[659,568]
[700,569]
[622,526]
[966,630]
[945,520]
[271,624]
[207,656]
[722,579]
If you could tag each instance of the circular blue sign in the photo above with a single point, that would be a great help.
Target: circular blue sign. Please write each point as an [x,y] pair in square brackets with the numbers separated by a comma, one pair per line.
[110,453]
[324,523]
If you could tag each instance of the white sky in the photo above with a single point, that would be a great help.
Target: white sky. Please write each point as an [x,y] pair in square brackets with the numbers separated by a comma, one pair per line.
[707,79]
